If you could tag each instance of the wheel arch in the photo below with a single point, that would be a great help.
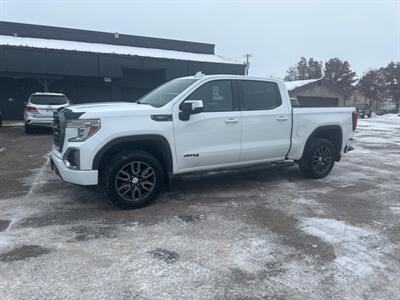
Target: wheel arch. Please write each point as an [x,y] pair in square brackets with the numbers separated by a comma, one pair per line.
[156,145]
[333,133]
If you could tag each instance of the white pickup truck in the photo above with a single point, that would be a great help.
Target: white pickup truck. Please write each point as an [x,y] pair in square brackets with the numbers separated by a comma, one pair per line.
[194,124]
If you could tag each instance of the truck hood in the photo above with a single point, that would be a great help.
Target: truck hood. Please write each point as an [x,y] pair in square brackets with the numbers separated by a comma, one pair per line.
[104,108]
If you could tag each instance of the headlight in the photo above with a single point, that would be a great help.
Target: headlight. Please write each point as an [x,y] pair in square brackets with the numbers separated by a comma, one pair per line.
[85,129]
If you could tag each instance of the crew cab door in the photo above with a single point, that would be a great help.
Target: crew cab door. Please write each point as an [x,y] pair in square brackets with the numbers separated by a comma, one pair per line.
[266,121]
[212,137]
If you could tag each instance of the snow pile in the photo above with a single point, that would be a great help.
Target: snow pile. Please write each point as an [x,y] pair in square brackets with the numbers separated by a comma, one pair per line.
[249,255]
[110,49]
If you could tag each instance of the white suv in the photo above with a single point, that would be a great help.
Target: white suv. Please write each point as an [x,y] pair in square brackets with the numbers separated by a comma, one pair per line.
[40,108]
[194,124]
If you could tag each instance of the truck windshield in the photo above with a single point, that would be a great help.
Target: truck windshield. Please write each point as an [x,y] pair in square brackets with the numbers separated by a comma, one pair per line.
[48,99]
[166,92]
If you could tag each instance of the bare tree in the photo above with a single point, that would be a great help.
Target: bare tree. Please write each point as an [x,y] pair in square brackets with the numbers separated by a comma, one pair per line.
[304,69]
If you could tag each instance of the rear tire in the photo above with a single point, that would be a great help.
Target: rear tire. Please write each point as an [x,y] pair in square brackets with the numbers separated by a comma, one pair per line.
[318,159]
[133,179]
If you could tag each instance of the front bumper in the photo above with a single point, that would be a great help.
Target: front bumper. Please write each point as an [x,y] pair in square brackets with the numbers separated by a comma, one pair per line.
[81,177]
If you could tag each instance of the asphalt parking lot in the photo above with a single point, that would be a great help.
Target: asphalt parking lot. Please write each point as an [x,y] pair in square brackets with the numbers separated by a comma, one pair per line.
[259,233]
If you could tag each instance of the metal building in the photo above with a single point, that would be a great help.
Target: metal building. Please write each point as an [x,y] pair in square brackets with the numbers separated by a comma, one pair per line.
[92,66]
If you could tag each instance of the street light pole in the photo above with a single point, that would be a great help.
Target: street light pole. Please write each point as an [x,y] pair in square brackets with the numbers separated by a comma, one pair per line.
[247,56]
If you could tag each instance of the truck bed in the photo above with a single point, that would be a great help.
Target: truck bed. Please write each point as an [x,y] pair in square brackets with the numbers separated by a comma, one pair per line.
[307,119]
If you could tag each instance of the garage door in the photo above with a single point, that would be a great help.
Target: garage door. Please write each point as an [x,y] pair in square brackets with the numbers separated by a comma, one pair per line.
[87,94]
[318,101]
[132,94]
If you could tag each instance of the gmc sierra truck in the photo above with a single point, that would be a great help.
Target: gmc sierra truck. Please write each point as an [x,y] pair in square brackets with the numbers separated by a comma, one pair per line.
[190,124]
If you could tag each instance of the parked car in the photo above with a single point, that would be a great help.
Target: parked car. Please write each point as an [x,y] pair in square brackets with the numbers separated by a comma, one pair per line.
[363,110]
[40,108]
[388,107]
[194,124]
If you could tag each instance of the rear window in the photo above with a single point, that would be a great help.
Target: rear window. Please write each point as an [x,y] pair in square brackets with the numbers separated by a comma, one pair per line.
[259,95]
[48,99]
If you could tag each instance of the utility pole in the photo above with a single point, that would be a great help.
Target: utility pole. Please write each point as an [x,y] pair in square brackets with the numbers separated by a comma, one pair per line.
[247,56]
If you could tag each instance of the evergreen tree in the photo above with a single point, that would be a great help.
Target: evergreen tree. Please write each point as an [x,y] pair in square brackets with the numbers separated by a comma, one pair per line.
[391,75]
[372,84]
[301,68]
[340,74]
[314,69]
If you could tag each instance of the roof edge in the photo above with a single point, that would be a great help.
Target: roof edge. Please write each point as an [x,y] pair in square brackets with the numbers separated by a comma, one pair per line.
[101,37]
[107,49]
[322,81]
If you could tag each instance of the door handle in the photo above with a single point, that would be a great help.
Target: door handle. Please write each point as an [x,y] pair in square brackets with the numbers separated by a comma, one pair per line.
[282,118]
[231,120]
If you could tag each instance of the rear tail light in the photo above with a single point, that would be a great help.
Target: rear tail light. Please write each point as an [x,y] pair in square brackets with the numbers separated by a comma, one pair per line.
[355,120]
[30,109]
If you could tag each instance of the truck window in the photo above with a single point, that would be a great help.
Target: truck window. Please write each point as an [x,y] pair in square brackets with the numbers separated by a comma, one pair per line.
[259,95]
[216,96]
[166,92]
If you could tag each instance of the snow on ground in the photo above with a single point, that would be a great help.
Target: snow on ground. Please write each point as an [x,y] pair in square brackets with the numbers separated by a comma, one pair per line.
[350,243]
[253,233]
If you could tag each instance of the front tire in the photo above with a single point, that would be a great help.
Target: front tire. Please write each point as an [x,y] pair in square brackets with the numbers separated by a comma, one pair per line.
[133,179]
[319,158]
[28,129]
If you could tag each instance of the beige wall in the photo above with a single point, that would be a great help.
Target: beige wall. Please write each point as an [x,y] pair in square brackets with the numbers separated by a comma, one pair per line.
[356,98]
[319,91]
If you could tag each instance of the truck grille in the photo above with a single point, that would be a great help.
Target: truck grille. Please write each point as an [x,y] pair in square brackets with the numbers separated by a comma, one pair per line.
[59,129]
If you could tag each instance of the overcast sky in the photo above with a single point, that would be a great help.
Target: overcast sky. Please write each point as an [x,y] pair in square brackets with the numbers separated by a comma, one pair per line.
[277,33]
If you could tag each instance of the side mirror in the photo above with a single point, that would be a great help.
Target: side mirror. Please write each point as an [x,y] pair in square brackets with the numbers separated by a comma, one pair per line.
[190,107]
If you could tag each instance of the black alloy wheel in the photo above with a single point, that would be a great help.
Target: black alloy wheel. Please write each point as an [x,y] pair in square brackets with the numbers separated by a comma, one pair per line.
[318,158]
[322,159]
[135,181]
[132,179]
